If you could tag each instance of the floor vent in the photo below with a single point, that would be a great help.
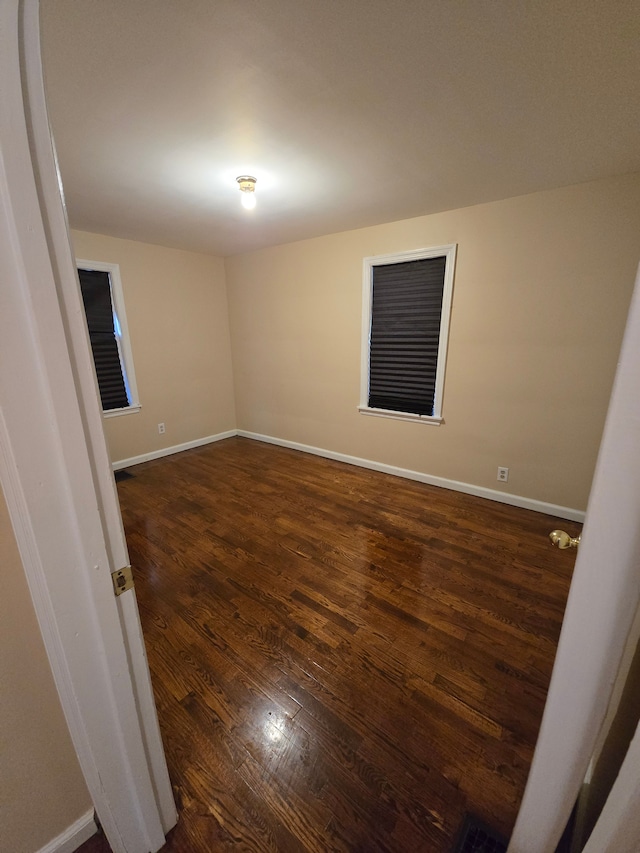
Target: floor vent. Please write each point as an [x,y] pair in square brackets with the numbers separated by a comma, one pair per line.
[122,475]
[477,837]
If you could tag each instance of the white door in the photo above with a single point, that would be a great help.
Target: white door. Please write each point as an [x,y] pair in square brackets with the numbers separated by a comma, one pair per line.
[603,601]
[56,473]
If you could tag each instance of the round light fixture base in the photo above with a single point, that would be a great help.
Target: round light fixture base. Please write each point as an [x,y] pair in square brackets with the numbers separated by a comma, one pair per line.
[247,185]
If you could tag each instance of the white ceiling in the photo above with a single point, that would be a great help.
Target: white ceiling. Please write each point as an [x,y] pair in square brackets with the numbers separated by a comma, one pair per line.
[349,112]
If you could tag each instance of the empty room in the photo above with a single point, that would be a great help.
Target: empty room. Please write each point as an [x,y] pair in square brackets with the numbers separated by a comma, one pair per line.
[319,334]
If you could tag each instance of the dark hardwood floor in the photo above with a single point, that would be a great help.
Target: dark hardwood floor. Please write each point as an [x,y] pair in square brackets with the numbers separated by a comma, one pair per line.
[343,660]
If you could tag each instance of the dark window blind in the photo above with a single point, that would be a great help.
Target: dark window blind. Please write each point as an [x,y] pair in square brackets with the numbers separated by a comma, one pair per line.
[405,334]
[98,308]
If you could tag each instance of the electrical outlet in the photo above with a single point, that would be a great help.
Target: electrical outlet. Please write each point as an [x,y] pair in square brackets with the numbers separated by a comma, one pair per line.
[503,475]
[161,429]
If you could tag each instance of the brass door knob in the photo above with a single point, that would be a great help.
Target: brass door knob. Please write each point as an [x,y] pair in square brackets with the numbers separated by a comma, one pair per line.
[562,540]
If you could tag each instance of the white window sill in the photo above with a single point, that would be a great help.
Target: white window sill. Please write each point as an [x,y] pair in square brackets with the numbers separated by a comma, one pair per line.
[400,416]
[115,413]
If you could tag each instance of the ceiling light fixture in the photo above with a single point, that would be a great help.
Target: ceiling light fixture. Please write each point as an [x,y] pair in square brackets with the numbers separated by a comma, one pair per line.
[248,189]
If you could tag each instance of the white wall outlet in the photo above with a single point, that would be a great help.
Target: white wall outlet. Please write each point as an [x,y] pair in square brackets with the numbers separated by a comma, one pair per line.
[503,475]
[161,430]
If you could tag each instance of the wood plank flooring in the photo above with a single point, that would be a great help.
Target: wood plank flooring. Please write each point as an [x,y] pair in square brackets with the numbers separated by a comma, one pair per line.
[342,660]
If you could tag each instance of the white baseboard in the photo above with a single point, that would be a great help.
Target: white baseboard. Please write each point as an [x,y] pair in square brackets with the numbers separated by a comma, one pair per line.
[442,482]
[168,451]
[73,836]
[455,485]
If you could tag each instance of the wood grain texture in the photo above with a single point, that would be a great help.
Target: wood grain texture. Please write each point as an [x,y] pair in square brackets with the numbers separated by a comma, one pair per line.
[343,660]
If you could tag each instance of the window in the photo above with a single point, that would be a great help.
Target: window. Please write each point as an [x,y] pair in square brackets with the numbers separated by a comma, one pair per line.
[107,323]
[405,323]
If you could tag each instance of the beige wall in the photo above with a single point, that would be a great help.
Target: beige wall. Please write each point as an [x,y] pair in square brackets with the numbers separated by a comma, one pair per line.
[177,314]
[42,791]
[541,291]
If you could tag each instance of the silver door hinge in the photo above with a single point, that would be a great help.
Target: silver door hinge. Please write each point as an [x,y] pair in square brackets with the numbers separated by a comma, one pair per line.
[122,580]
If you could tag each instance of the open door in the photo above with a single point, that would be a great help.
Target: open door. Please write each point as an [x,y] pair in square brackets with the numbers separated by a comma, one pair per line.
[601,609]
[56,474]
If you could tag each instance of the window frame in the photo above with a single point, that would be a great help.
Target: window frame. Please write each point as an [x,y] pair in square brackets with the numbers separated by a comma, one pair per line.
[122,339]
[449,253]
